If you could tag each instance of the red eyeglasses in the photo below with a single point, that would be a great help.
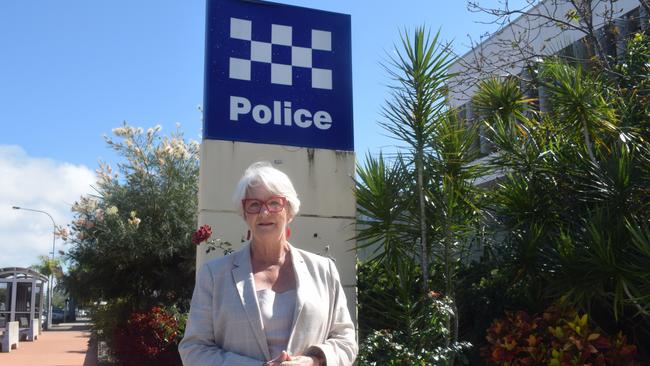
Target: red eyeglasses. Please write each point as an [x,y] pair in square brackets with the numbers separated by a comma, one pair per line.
[273,204]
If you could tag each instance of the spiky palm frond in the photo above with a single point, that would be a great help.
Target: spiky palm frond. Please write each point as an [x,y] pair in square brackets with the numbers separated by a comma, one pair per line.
[579,103]
[502,99]
[383,198]
[419,69]
[48,266]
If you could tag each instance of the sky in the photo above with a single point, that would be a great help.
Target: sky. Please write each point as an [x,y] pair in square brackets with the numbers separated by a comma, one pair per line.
[72,70]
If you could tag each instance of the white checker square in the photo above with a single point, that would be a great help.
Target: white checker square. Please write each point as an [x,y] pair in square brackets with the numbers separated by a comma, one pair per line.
[241,29]
[321,40]
[281,74]
[321,78]
[281,34]
[301,56]
[260,51]
[240,69]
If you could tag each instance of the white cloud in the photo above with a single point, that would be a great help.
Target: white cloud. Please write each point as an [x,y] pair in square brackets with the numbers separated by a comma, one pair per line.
[37,183]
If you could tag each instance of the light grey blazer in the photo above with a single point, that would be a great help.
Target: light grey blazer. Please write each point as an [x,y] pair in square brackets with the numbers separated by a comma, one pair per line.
[225,325]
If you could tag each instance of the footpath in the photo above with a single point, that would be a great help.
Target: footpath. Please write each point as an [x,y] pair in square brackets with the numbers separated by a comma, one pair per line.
[66,344]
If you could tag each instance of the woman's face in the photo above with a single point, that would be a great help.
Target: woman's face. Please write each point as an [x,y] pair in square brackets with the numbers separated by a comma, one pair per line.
[266,225]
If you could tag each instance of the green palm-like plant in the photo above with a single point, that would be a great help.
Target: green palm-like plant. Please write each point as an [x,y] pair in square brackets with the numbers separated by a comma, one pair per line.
[579,103]
[383,198]
[48,266]
[634,83]
[573,203]
[502,99]
[423,200]
[419,70]
[453,198]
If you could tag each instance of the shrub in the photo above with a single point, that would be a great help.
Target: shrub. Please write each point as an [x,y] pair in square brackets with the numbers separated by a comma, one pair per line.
[137,223]
[419,339]
[397,348]
[557,337]
[107,319]
[150,338]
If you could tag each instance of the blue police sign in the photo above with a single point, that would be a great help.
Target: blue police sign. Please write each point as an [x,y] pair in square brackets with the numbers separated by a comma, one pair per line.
[278,74]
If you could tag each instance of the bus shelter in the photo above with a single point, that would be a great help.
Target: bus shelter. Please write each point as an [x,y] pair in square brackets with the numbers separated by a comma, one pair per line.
[21,298]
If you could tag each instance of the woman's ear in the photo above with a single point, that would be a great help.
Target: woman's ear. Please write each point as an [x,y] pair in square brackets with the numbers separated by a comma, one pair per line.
[290,214]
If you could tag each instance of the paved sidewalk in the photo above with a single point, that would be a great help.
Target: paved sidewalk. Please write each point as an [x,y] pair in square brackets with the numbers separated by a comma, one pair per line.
[66,344]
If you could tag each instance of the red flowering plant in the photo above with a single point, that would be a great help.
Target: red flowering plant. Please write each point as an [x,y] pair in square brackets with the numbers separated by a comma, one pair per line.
[203,234]
[150,338]
[557,337]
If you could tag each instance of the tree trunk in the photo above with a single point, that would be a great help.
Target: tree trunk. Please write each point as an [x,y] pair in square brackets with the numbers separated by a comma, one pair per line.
[588,144]
[454,331]
[452,320]
[424,254]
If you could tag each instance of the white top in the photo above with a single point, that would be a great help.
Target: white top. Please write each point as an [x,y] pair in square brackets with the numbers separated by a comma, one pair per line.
[277,318]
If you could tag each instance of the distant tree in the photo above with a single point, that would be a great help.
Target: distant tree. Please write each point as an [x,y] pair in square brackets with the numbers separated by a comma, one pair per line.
[52,266]
[48,266]
[130,242]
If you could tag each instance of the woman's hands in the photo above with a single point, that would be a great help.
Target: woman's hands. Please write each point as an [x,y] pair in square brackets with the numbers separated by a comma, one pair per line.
[301,361]
[285,360]
[284,356]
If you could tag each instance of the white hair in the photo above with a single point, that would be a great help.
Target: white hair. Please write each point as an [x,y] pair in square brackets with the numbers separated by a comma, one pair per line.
[272,179]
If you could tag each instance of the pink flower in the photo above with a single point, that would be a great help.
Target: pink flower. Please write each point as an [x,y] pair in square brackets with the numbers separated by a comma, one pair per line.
[202,234]
[62,233]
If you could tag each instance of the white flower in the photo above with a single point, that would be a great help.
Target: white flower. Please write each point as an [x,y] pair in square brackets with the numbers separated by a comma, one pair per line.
[111,210]
[86,205]
[179,149]
[119,131]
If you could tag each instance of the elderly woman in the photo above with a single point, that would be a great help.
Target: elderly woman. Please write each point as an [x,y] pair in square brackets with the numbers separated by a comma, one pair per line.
[269,303]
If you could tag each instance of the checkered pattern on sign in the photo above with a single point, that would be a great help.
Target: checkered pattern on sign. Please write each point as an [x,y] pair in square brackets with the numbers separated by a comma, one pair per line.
[281,35]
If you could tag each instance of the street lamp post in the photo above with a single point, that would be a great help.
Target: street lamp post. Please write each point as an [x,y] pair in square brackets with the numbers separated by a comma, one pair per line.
[51,285]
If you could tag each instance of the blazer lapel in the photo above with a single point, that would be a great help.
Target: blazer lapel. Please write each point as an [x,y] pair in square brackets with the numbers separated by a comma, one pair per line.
[242,274]
[302,293]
